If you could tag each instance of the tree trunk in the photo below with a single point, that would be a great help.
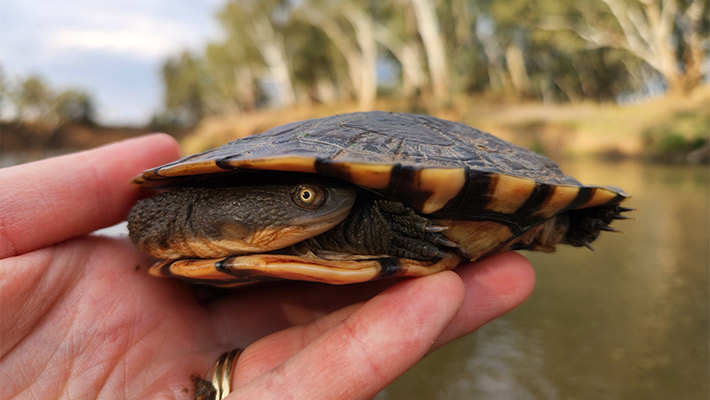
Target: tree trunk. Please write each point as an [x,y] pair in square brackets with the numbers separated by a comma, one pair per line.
[434,46]
[360,54]
[365,38]
[408,55]
[653,32]
[515,61]
[266,41]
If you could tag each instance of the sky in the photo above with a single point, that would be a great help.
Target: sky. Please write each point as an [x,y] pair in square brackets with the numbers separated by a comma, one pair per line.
[112,49]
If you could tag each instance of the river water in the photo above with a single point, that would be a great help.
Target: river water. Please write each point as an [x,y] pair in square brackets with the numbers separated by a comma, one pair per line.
[627,322]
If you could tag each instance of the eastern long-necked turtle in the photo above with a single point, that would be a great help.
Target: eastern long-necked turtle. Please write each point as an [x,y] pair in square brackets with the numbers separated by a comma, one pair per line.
[355,197]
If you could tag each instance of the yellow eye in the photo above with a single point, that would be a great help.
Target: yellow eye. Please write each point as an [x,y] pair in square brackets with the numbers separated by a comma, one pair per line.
[309,196]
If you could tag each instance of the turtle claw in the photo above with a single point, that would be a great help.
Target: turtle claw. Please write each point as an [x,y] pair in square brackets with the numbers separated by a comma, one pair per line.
[444,254]
[621,217]
[435,228]
[620,210]
[588,245]
[446,242]
[626,209]
[609,229]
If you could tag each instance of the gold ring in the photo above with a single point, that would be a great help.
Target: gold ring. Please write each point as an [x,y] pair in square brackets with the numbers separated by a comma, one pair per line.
[222,374]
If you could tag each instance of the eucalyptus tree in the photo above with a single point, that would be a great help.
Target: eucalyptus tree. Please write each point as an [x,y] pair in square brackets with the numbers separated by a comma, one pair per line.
[6,106]
[350,29]
[396,30]
[232,84]
[318,68]
[184,87]
[670,36]
[510,50]
[258,25]
[75,105]
[34,101]
[434,46]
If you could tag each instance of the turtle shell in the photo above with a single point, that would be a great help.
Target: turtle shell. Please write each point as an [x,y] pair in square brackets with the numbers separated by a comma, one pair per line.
[487,189]
[435,166]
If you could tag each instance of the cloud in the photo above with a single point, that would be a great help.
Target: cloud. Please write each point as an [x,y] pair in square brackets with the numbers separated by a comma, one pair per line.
[112,49]
[143,30]
[131,41]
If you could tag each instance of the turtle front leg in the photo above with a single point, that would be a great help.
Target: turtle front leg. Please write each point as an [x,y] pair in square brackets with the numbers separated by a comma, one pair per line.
[384,227]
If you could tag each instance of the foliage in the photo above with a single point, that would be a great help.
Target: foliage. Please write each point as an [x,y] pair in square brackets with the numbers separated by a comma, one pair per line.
[685,132]
[32,102]
[183,78]
[279,52]
[74,105]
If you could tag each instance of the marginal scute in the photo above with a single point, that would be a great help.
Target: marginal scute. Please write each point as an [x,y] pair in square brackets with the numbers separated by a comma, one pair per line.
[443,184]
[560,197]
[285,163]
[510,193]
[601,196]
[373,176]
[177,169]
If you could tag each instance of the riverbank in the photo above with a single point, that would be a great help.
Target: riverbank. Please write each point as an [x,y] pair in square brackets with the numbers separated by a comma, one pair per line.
[660,129]
[663,129]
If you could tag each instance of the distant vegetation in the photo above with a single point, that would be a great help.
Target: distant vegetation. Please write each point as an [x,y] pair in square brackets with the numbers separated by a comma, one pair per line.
[284,53]
[31,102]
[547,74]
[38,120]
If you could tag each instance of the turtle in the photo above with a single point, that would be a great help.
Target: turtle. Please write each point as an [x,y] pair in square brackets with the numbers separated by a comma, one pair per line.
[356,197]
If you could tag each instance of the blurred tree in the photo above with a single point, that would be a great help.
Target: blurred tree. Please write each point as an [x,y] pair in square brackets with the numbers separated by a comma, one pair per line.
[258,25]
[278,52]
[34,102]
[184,84]
[318,68]
[469,64]
[232,85]
[74,105]
[396,30]
[351,31]
[38,108]
[525,59]
[670,36]
[5,96]
[434,46]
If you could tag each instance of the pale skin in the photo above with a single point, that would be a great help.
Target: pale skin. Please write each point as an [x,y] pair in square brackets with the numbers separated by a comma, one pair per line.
[80,317]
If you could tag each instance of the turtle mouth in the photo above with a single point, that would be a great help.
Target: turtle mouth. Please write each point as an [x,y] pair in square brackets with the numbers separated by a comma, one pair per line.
[282,238]
[321,223]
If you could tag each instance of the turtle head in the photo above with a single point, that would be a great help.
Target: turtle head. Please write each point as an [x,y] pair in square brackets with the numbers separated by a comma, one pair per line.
[216,221]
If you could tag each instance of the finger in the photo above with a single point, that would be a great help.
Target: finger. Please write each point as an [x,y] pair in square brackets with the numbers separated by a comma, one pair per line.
[300,303]
[367,350]
[49,201]
[286,305]
[494,286]
[273,350]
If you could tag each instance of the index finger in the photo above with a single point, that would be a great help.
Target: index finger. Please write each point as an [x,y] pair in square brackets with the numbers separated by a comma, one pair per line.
[52,200]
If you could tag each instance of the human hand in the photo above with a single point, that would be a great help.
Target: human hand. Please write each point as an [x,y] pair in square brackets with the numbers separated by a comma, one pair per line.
[80,318]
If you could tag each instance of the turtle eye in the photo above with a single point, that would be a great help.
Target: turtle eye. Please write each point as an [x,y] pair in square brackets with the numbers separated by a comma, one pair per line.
[309,196]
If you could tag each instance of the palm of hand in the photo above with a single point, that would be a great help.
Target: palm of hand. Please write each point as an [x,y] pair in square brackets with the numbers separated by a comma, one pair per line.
[81,319]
